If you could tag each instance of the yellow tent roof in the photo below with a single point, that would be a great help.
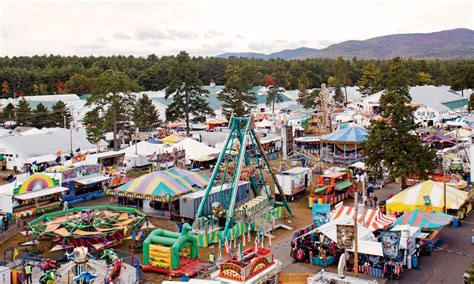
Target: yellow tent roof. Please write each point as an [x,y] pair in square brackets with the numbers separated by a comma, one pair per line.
[415,197]
[173,138]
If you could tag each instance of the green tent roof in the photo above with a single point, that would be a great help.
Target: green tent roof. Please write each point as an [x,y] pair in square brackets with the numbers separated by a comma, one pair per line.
[343,185]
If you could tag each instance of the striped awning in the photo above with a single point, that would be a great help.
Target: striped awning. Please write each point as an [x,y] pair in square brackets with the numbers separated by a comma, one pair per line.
[422,219]
[372,219]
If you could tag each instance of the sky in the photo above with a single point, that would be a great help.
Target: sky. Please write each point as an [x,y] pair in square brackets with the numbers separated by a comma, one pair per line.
[211,27]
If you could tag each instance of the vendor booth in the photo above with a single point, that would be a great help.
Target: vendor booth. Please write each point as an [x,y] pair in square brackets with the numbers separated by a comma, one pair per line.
[343,145]
[85,182]
[159,190]
[36,194]
[331,188]
[427,196]
[308,144]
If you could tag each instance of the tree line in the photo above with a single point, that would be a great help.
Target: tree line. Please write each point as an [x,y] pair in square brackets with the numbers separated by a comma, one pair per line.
[40,75]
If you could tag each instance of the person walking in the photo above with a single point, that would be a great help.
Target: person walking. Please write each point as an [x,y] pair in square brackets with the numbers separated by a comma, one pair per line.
[65,205]
[28,272]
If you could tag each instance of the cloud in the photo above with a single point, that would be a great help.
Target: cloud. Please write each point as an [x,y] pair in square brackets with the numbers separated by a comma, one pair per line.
[121,35]
[149,33]
[89,49]
[259,46]
[212,34]
[176,34]
[101,40]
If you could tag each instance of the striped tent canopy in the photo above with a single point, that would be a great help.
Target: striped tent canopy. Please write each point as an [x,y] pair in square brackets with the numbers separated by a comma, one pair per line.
[422,219]
[372,219]
[172,138]
[165,185]
[437,138]
[352,134]
[428,195]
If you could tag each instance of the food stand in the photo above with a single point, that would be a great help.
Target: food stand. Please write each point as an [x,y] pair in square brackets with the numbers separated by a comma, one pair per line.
[332,187]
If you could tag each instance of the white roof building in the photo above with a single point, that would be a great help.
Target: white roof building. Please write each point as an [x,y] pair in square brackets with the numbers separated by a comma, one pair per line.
[19,150]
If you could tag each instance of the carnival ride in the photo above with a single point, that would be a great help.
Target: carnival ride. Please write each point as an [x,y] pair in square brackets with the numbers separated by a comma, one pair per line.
[250,266]
[94,227]
[242,157]
[172,253]
[332,188]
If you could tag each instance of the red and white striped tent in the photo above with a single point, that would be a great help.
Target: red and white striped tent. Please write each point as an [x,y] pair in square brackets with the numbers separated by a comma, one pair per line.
[372,219]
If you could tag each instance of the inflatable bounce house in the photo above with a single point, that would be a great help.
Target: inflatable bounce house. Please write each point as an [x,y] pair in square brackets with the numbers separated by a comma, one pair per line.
[171,253]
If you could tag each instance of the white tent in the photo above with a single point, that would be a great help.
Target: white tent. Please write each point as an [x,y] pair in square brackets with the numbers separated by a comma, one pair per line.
[32,131]
[143,148]
[368,247]
[264,124]
[330,229]
[195,150]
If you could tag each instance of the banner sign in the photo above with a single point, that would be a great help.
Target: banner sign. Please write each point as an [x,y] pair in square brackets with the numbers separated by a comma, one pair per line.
[390,243]
[321,214]
[345,236]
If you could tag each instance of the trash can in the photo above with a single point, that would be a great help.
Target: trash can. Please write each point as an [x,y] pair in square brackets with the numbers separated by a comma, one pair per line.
[414,262]
[455,223]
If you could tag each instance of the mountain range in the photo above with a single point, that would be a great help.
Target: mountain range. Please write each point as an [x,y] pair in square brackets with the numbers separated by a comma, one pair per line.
[449,44]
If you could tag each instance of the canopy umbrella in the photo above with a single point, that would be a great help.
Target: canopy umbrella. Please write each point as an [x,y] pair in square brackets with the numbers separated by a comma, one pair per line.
[422,219]
[352,134]
[172,138]
[426,196]
[437,138]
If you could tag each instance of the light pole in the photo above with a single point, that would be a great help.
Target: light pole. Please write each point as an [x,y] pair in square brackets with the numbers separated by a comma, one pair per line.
[445,168]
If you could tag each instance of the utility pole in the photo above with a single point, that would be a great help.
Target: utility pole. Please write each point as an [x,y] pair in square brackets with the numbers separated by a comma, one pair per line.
[70,133]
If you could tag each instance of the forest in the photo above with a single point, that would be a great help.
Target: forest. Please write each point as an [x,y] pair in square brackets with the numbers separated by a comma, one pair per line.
[40,75]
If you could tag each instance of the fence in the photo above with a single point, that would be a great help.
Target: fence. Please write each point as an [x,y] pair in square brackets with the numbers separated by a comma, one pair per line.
[13,229]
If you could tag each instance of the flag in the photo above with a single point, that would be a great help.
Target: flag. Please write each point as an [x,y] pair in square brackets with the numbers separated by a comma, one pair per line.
[269,240]
[15,253]
[256,243]
[263,240]
[78,150]
[243,238]
[58,159]
[34,163]
[125,230]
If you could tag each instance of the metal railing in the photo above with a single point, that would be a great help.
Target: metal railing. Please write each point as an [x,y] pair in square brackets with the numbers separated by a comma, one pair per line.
[13,229]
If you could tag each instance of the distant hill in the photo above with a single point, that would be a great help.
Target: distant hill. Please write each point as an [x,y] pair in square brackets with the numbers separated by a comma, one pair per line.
[450,44]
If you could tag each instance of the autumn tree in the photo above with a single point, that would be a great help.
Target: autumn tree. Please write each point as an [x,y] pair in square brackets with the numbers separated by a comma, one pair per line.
[274,92]
[185,89]
[425,78]
[5,89]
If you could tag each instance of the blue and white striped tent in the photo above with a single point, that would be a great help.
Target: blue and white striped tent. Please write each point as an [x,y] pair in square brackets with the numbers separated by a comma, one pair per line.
[352,134]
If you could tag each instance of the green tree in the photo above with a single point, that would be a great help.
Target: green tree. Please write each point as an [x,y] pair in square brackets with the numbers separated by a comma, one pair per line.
[471,102]
[40,89]
[186,92]
[336,84]
[341,74]
[306,97]
[60,115]
[23,113]
[111,95]
[8,113]
[274,93]
[40,116]
[95,131]
[145,114]
[462,76]
[391,145]
[235,96]
[425,78]
[79,84]
[368,82]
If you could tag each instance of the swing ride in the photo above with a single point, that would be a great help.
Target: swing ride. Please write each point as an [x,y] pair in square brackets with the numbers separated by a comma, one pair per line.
[242,158]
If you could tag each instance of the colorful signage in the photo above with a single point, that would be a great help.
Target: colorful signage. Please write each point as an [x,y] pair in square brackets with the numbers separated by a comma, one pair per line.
[80,171]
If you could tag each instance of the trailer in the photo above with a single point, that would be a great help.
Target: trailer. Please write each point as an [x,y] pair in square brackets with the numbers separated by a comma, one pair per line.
[295,181]
[189,203]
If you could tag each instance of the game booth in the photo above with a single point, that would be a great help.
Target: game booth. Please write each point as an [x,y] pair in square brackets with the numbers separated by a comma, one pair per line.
[331,188]
[36,194]
[85,182]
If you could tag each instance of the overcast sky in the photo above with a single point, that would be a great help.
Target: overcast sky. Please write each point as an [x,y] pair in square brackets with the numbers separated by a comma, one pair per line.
[208,27]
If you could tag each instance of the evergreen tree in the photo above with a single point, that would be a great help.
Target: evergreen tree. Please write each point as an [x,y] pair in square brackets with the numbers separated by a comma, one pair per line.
[462,76]
[471,102]
[306,97]
[8,113]
[23,113]
[59,114]
[391,145]
[368,82]
[235,96]
[40,116]
[145,115]
[111,96]
[95,131]
[189,99]
[425,78]
[341,72]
